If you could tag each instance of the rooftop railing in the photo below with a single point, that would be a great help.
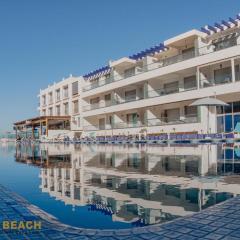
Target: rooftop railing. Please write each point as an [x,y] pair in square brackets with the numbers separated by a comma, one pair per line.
[163,63]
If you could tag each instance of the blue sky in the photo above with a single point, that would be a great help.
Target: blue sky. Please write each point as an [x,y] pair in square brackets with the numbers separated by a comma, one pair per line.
[43,41]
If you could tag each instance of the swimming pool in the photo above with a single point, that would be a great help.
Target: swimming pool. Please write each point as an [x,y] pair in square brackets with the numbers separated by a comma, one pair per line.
[121,186]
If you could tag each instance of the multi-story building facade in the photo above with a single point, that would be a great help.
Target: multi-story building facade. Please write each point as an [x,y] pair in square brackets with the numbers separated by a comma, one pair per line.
[151,91]
[63,99]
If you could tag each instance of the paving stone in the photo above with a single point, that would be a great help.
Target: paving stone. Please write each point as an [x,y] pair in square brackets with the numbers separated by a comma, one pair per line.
[198,233]
[172,235]
[230,238]
[187,237]
[214,236]
[139,230]
[184,230]
[235,233]
[223,231]
[232,226]
[217,224]
[205,221]
[208,228]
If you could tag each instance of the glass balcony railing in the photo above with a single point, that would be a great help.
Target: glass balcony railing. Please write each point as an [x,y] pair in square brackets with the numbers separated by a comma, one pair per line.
[217,81]
[225,79]
[149,94]
[211,48]
[191,118]
[169,121]
[111,103]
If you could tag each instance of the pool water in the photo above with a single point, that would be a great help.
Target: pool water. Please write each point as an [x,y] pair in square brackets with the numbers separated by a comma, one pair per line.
[121,186]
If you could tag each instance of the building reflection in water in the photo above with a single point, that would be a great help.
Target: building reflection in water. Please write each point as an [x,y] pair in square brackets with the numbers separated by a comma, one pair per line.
[137,184]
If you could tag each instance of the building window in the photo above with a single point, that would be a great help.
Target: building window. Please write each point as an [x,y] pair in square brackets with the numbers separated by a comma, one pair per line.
[190,82]
[79,122]
[172,115]
[66,108]
[228,108]
[65,91]
[94,100]
[132,119]
[228,123]
[190,111]
[188,53]
[50,98]
[58,95]
[58,111]
[44,112]
[75,107]
[131,95]
[223,75]
[129,72]
[101,123]
[225,42]
[50,111]
[75,88]
[172,87]
[44,100]
[107,97]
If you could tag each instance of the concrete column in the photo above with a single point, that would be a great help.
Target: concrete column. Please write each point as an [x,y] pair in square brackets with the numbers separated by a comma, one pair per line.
[181,84]
[198,78]
[233,70]
[182,113]
[145,90]
[148,63]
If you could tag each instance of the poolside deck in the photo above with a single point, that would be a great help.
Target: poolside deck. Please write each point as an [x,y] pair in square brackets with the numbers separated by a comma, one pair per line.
[221,221]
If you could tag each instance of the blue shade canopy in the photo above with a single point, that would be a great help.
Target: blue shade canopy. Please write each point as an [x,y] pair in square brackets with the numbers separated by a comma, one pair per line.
[223,25]
[208,101]
[219,26]
[137,56]
[237,127]
[208,29]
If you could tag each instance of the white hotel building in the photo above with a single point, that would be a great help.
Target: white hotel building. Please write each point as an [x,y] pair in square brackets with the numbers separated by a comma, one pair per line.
[151,91]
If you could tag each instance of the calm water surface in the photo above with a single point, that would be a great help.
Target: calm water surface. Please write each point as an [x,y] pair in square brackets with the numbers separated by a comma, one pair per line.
[110,186]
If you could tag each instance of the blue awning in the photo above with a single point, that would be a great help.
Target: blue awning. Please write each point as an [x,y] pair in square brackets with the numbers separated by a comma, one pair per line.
[223,25]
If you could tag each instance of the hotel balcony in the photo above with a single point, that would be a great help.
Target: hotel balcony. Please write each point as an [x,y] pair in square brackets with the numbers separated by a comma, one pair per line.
[193,118]
[149,94]
[183,85]
[162,121]
[167,61]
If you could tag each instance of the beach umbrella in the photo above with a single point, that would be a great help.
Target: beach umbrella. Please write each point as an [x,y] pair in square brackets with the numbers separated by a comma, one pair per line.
[208,102]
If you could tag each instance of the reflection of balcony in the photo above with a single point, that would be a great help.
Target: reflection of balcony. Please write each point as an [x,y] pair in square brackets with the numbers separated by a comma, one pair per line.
[211,48]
